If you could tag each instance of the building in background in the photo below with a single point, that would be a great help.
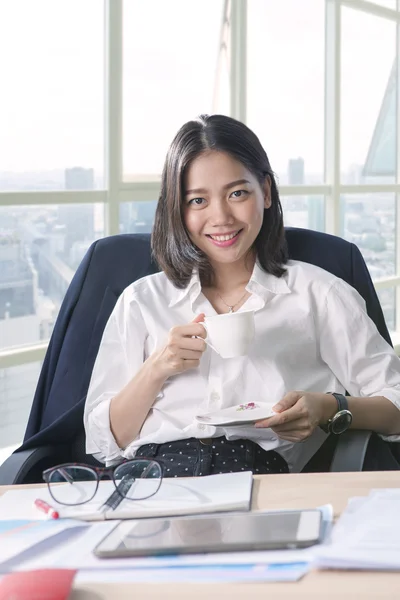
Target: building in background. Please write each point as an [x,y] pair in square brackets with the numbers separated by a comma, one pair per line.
[19,325]
[79,178]
[296,171]
[302,210]
[137,217]
[78,219]
[18,277]
[40,246]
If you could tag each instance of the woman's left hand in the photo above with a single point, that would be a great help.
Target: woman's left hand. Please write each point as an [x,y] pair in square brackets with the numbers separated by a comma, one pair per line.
[299,414]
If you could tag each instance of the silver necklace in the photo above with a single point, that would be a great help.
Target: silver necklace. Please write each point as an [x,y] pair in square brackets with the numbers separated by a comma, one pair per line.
[233,305]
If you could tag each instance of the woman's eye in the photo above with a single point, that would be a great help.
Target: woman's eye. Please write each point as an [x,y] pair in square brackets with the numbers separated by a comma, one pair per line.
[196,201]
[239,193]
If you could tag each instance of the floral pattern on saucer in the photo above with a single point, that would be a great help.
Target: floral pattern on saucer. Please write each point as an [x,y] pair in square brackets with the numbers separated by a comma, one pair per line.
[248,406]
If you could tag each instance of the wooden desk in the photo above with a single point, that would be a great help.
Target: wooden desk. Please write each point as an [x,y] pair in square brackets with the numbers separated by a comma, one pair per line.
[279,491]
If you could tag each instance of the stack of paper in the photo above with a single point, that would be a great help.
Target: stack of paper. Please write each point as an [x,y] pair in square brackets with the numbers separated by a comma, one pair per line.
[367,535]
[281,565]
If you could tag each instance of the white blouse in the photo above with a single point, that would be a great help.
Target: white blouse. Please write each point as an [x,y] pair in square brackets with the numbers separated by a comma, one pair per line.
[312,334]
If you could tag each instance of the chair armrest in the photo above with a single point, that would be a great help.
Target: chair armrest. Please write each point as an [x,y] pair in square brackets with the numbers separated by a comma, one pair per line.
[27,466]
[350,451]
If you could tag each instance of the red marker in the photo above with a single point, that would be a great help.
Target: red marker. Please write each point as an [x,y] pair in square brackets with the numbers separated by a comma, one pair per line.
[46,508]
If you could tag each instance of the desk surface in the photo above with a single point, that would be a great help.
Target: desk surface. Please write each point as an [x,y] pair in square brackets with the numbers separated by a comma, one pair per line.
[269,492]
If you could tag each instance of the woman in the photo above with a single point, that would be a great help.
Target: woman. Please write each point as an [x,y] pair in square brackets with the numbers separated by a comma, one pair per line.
[219,239]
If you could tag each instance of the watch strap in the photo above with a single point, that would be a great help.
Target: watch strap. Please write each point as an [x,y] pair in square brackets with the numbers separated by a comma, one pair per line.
[342,404]
[341,401]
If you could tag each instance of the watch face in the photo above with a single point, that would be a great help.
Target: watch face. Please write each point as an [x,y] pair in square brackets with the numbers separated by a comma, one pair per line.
[341,422]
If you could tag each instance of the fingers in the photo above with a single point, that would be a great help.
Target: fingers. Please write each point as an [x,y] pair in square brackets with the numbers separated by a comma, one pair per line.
[177,345]
[287,401]
[292,414]
[199,318]
[197,344]
[184,349]
[186,354]
[298,425]
[189,330]
[193,329]
[297,430]
[190,364]
[175,362]
[294,439]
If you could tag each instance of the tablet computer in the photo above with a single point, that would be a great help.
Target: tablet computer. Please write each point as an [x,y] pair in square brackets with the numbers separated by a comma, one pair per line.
[212,533]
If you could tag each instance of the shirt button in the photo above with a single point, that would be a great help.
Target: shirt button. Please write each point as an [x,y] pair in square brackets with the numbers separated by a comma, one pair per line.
[214,396]
[201,426]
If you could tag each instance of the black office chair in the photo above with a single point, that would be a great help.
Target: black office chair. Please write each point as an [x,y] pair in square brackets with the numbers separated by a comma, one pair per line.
[55,430]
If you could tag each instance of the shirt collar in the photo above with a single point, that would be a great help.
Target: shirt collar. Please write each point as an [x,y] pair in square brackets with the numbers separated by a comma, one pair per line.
[263,284]
[260,283]
[192,290]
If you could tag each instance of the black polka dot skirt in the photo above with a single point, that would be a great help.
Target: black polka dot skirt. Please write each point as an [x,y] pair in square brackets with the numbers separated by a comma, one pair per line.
[193,457]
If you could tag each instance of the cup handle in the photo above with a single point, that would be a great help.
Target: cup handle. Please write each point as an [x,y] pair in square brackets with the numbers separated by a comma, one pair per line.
[207,342]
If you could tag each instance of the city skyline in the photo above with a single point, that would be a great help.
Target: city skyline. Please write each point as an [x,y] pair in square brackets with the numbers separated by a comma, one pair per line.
[354,174]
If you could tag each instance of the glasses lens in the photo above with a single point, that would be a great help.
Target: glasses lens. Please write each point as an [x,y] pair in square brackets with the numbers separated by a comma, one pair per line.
[138,479]
[72,485]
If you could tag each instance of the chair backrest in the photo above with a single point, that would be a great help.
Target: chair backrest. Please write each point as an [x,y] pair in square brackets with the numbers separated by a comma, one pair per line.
[109,266]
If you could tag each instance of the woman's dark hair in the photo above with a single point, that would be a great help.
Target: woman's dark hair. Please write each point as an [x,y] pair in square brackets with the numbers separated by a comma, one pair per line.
[172,247]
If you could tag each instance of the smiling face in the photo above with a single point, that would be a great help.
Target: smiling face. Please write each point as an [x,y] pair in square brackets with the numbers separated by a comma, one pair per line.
[223,207]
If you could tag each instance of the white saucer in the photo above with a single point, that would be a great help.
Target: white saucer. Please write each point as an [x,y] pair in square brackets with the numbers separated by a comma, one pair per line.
[241,414]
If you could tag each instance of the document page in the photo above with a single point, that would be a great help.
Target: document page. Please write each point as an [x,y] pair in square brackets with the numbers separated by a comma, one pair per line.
[367,535]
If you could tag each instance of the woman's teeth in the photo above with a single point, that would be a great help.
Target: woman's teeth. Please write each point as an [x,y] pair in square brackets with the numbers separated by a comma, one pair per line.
[223,238]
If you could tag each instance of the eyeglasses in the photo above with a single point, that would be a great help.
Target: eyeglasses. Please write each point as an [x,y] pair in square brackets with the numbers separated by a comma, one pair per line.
[135,479]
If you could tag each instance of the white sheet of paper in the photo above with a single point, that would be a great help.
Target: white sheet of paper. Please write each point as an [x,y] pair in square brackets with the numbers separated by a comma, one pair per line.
[367,536]
[202,574]
[28,537]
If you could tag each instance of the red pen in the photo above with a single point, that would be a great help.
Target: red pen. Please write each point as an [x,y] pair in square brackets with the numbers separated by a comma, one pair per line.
[46,508]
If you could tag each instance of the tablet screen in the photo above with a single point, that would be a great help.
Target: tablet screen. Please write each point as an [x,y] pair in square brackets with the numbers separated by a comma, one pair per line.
[214,533]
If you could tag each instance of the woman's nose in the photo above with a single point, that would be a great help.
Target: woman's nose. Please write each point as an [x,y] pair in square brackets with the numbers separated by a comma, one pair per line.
[220,213]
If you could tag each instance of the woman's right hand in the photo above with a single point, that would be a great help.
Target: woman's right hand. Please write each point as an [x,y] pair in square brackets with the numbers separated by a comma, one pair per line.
[183,350]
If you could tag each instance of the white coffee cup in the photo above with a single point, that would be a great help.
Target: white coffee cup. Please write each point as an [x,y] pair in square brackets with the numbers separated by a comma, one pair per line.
[230,334]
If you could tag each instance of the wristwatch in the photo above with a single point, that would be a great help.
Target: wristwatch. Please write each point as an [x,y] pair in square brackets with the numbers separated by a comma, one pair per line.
[341,421]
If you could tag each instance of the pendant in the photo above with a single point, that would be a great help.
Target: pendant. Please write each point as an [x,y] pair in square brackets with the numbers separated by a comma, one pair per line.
[230,309]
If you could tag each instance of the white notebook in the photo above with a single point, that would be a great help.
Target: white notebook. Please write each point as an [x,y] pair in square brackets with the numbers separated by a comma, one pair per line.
[184,496]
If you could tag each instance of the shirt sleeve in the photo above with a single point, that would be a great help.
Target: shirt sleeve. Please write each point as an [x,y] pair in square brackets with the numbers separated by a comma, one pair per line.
[120,356]
[365,364]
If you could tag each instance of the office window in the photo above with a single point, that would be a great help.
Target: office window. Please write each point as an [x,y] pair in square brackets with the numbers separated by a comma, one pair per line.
[368,91]
[307,212]
[368,220]
[40,249]
[17,387]
[387,299]
[174,70]
[137,217]
[285,76]
[51,101]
